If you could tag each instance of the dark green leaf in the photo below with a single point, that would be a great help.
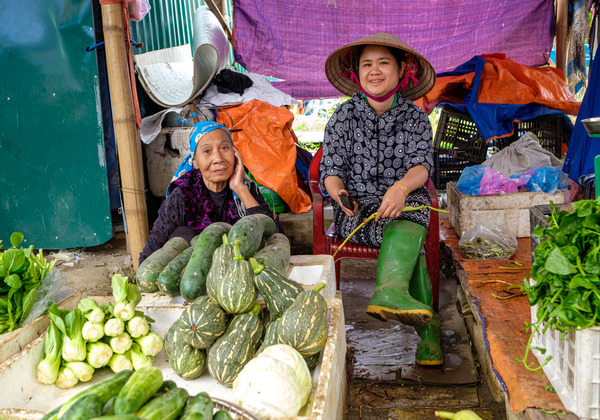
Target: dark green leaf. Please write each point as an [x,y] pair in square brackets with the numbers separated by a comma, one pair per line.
[557,263]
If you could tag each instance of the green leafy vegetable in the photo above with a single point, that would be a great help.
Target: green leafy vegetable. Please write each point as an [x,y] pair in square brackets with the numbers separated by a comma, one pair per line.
[565,270]
[21,274]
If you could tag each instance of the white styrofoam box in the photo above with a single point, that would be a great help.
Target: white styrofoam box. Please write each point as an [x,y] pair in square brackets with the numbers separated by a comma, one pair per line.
[13,342]
[327,398]
[161,162]
[510,209]
[574,369]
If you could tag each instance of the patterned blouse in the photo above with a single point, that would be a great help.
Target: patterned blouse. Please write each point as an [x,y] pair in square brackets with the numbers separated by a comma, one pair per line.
[370,152]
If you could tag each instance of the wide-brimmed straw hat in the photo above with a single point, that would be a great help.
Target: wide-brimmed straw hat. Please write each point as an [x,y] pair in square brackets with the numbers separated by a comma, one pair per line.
[337,66]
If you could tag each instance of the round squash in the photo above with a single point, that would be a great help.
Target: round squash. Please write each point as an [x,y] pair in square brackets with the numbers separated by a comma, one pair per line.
[202,323]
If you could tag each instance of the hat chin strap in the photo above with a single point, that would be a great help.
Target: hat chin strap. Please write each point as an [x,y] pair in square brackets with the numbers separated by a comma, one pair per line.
[375,98]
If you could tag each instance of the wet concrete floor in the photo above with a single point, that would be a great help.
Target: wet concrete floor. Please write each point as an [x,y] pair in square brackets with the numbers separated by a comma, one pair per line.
[383,380]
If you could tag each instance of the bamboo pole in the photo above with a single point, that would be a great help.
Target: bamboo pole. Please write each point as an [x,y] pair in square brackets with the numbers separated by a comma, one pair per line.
[129,150]
[562,10]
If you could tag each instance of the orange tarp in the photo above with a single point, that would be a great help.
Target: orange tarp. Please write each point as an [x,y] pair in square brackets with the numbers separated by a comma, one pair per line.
[266,143]
[504,81]
[504,322]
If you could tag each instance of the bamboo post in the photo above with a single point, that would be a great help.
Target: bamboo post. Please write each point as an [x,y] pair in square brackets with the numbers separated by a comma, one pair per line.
[129,150]
[220,17]
[562,10]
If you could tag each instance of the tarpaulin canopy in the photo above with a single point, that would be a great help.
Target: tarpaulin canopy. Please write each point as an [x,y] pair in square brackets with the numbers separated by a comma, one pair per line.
[290,40]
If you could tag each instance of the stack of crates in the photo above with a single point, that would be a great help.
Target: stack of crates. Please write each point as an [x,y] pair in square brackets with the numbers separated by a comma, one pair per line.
[459,144]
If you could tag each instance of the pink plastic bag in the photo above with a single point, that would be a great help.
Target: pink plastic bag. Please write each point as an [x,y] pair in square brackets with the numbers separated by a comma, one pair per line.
[138,9]
[493,182]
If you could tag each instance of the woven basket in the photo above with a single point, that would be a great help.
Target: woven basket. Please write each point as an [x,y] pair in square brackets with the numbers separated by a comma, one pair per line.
[231,408]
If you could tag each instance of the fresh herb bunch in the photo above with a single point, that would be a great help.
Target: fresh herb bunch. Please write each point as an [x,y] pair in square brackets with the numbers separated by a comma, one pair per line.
[21,274]
[565,272]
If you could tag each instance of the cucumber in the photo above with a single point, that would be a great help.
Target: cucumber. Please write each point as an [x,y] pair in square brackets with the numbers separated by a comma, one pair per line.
[84,408]
[222,415]
[250,231]
[164,388]
[149,270]
[166,406]
[105,390]
[200,407]
[193,280]
[118,417]
[142,385]
[109,407]
[276,253]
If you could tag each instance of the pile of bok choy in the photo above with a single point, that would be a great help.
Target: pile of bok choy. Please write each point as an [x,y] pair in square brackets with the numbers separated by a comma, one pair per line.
[94,335]
[21,275]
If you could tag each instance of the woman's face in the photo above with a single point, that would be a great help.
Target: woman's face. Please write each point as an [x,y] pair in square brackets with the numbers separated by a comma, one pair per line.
[378,70]
[215,158]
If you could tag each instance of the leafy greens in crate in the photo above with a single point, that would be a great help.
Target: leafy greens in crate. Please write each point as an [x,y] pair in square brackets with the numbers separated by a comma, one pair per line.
[565,272]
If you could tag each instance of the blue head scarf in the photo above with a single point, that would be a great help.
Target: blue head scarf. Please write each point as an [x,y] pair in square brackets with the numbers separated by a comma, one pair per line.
[198,131]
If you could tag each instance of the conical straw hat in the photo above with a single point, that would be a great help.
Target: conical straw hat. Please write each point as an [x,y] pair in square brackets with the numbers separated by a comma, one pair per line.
[335,67]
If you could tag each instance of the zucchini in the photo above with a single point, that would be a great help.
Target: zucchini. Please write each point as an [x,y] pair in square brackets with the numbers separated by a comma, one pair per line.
[142,385]
[250,231]
[221,259]
[276,253]
[105,390]
[193,279]
[166,406]
[84,408]
[222,415]
[149,270]
[200,407]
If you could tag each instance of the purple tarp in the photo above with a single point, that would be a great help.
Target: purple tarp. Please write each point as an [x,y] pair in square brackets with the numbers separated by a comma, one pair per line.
[291,39]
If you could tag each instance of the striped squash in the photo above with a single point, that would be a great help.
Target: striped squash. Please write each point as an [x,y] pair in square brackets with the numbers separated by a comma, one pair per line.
[172,338]
[250,323]
[187,361]
[271,338]
[221,259]
[277,290]
[202,323]
[236,292]
[304,324]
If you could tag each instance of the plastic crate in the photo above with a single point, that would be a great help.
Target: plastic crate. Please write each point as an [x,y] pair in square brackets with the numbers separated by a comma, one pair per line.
[551,130]
[574,370]
[446,169]
[458,137]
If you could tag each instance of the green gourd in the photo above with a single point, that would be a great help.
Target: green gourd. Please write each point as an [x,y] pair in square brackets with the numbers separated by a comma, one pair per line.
[147,273]
[221,259]
[277,290]
[170,277]
[236,293]
[276,253]
[187,361]
[193,279]
[202,322]
[271,338]
[250,231]
[304,324]
[232,351]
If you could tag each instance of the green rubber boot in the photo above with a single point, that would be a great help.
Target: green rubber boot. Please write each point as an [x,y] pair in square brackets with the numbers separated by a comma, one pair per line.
[398,256]
[429,349]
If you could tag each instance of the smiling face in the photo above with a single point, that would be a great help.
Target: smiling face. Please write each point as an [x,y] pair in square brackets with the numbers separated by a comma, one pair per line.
[215,158]
[378,71]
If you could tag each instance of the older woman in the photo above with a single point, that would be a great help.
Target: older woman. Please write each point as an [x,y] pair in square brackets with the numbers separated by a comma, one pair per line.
[377,156]
[208,187]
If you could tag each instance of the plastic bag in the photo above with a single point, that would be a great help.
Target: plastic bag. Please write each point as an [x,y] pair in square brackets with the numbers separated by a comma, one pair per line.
[521,156]
[470,179]
[52,290]
[138,9]
[488,242]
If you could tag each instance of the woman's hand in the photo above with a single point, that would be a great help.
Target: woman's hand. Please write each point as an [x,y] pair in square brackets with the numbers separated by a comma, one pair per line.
[392,203]
[349,211]
[236,181]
